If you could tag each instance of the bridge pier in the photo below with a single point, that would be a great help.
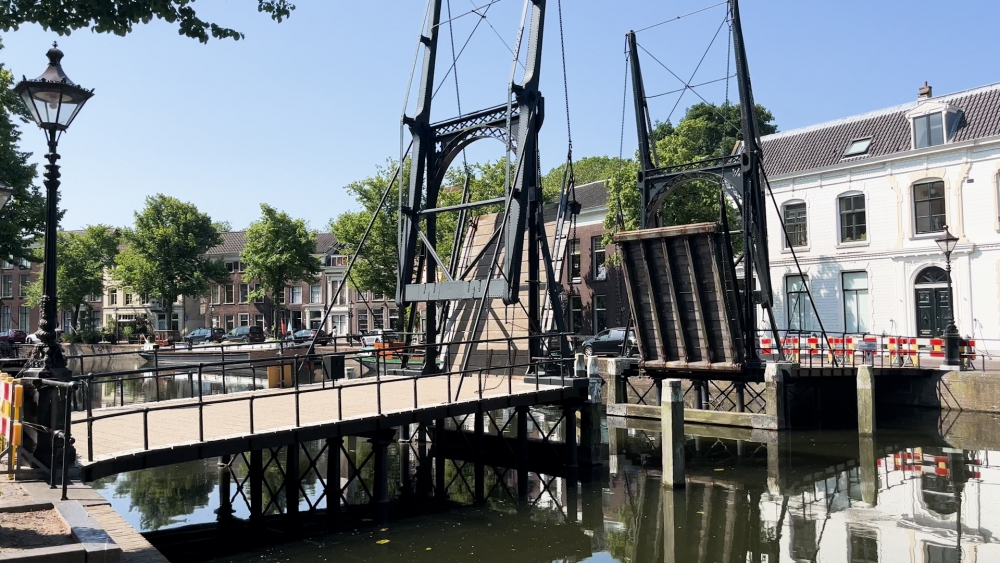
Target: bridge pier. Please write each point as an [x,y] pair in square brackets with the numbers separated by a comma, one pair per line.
[380,441]
[776,376]
[867,469]
[866,400]
[522,453]
[424,487]
[224,513]
[480,470]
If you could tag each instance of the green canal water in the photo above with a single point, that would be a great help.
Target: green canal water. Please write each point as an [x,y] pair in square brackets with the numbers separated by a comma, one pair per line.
[925,489]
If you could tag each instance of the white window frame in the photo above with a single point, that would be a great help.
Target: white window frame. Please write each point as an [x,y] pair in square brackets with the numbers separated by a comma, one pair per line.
[296,295]
[315,293]
[785,246]
[801,304]
[600,271]
[840,228]
[244,319]
[861,307]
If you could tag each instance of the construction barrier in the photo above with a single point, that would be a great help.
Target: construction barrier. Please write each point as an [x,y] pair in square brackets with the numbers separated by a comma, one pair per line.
[11,400]
[899,351]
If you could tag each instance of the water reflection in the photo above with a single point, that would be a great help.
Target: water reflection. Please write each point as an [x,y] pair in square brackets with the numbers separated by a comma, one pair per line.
[901,496]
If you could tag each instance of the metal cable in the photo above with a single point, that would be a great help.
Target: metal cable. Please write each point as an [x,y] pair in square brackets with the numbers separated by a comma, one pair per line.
[682,16]
[687,85]
[562,50]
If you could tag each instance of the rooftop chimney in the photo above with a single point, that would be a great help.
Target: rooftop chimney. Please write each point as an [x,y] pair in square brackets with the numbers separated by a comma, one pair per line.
[924,92]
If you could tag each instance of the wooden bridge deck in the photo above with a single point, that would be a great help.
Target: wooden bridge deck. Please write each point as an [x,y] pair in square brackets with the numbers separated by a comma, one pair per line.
[167,432]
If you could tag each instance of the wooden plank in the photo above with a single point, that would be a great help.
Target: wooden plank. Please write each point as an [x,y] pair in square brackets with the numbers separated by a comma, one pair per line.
[672,231]
[699,310]
[632,299]
[682,349]
[720,293]
[653,301]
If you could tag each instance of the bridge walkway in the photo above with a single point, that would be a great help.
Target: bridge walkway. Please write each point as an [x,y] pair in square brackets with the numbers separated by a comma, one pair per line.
[111,440]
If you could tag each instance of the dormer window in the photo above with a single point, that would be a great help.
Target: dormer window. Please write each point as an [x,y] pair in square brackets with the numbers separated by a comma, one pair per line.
[933,123]
[928,131]
[858,147]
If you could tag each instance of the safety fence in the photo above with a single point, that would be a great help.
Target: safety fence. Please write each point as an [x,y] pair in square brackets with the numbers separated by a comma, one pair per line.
[849,350]
[296,376]
[11,421]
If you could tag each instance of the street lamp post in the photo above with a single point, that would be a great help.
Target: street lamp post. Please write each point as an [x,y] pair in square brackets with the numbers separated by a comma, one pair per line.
[952,357]
[53,101]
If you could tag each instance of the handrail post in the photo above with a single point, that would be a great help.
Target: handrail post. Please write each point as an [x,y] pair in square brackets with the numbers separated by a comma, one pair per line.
[295,383]
[156,371]
[201,407]
[90,418]
[67,441]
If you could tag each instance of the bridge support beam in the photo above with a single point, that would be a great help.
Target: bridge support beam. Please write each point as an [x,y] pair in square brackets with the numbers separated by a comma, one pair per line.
[522,453]
[256,478]
[333,447]
[292,477]
[672,425]
[480,492]
[590,425]
[439,461]
[380,441]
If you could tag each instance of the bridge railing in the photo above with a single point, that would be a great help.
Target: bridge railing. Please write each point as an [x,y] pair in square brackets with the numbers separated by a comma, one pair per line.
[846,349]
[196,377]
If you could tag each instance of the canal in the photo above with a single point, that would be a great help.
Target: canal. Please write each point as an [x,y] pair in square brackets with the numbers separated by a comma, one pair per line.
[925,489]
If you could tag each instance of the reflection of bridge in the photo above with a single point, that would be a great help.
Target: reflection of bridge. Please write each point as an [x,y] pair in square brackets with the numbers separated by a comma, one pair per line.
[750,493]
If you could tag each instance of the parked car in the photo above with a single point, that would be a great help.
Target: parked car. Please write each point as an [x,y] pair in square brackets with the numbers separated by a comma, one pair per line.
[609,343]
[378,335]
[14,336]
[244,334]
[306,335]
[33,338]
[205,335]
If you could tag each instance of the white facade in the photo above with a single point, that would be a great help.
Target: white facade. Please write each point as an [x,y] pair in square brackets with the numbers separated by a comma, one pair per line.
[892,252]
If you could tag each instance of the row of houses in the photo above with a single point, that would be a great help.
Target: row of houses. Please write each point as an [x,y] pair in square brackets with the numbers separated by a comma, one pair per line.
[862,200]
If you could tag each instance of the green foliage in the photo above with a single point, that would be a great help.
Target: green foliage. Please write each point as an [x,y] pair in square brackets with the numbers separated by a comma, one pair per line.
[223,226]
[375,267]
[23,218]
[486,181]
[119,16]
[586,170]
[80,262]
[165,252]
[279,251]
[705,131]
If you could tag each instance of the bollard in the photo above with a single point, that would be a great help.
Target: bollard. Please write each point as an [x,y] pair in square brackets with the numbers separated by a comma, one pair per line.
[672,426]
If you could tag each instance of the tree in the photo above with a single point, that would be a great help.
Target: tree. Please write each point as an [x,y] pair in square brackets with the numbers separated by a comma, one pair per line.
[222,226]
[586,170]
[23,218]
[118,16]
[705,131]
[164,255]
[82,258]
[279,251]
[375,268]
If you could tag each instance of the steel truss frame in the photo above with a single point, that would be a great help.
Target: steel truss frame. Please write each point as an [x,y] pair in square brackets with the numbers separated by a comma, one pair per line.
[743,172]
[435,146]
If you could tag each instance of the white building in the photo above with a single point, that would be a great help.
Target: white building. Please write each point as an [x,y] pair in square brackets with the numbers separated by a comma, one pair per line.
[863,200]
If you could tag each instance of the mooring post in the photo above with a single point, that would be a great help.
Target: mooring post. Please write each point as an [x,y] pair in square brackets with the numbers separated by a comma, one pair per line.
[256,477]
[480,493]
[866,400]
[292,479]
[439,461]
[741,405]
[776,382]
[580,365]
[672,430]
[778,462]
[698,397]
[332,491]
[522,453]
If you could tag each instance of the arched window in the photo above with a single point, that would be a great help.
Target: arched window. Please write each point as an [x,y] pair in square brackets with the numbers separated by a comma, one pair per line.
[933,301]
[928,207]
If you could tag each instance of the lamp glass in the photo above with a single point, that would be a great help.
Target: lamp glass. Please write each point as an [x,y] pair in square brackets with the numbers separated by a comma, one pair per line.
[947,243]
[53,105]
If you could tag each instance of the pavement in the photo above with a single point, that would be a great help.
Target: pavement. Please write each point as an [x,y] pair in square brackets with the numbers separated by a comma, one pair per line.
[95,525]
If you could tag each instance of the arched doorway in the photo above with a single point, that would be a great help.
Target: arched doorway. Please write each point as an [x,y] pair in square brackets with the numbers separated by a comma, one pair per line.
[932,301]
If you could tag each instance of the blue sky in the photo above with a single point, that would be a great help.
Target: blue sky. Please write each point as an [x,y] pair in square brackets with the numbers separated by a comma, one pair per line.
[299,109]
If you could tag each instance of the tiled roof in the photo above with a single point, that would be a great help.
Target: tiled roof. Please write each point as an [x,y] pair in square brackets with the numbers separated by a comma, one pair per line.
[234,241]
[824,144]
[591,196]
